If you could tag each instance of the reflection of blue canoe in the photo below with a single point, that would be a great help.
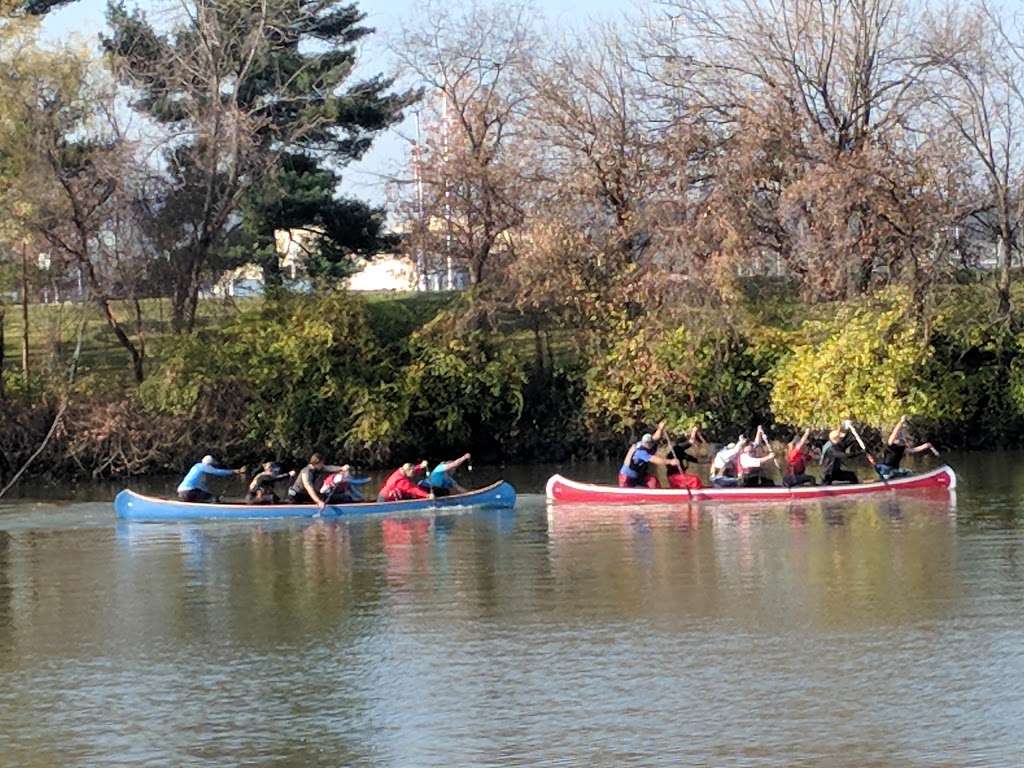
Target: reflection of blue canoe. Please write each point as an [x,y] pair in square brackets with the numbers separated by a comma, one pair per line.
[133,506]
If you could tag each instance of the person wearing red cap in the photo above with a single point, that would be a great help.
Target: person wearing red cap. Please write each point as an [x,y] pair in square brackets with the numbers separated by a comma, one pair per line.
[401,484]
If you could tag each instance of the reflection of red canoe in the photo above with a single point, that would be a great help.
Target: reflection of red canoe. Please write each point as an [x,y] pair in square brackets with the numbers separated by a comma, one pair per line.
[561,489]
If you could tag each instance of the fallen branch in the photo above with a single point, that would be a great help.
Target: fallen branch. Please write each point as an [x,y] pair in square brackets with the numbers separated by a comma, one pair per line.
[65,401]
[39,450]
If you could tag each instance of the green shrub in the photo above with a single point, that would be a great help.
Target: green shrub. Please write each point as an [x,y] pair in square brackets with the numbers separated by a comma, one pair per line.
[304,369]
[866,362]
[462,391]
[976,373]
[712,377]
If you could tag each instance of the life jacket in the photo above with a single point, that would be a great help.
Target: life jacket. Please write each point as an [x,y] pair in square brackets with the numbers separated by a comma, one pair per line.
[315,479]
[640,466]
[335,482]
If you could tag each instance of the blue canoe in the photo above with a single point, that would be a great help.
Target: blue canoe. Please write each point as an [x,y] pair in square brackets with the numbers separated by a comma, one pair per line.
[134,506]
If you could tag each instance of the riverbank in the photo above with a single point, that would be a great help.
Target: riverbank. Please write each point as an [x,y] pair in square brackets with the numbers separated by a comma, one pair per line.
[377,381]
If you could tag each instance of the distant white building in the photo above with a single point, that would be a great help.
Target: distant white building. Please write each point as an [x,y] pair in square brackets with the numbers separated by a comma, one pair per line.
[385,272]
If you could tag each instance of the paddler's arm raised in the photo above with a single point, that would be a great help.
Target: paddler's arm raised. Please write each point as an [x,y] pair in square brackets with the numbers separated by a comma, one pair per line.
[451,466]
[894,436]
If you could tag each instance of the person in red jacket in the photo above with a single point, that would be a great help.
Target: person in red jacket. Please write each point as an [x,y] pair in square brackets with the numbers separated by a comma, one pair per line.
[402,484]
[797,456]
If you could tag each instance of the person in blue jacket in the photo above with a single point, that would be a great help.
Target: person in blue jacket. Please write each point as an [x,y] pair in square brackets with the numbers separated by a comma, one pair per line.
[193,487]
[440,480]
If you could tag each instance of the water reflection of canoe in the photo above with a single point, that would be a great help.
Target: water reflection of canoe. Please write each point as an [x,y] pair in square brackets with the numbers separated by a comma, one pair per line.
[134,506]
[564,490]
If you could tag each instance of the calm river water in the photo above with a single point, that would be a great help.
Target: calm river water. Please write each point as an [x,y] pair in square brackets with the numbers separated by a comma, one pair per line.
[865,633]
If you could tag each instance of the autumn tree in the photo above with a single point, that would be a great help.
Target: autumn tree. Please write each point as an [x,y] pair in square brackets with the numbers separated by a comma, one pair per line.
[978,60]
[467,192]
[809,101]
[596,158]
[65,159]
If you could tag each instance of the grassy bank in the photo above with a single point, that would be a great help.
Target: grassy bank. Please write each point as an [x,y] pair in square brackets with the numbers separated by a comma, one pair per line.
[387,377]
[53,329]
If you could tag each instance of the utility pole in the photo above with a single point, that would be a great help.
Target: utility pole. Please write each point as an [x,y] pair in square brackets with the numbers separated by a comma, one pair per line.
[24,309]
[417,154]
[449,274]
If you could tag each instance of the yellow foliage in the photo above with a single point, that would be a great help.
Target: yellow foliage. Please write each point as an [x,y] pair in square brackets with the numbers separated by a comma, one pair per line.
[866,362]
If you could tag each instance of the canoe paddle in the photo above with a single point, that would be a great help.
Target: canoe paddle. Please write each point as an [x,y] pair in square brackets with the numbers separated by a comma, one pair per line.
[871,459]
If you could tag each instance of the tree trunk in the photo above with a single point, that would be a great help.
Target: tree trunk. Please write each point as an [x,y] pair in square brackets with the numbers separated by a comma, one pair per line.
[108,312]
[2,313]
[1003,283]
[193,305]
[538,344]
[140,329]
[179,300]
[24,311]
[186,292]
[122,337]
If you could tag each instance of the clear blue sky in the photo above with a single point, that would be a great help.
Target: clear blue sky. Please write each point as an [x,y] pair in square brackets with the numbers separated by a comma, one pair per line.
[85,19]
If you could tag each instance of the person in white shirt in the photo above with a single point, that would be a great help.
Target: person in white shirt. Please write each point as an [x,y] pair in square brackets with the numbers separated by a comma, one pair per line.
[750,467]
[724,472]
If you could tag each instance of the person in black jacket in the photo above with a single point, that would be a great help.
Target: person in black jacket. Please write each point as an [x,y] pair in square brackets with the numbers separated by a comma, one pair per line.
[832,454]
[261,487]
[896,447]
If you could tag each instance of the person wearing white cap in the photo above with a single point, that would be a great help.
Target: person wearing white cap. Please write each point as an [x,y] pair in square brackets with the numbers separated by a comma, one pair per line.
[338,488]
[635,471]
[193,487]
[833,452]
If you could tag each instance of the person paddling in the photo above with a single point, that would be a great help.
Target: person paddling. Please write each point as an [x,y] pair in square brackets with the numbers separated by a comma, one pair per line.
[261,487]
[832,455]
[678,477]
[895,448]
[193,487]
[797,457]
[751,460]
[635,471]
[750,464]
[337,487]
[441,480]
[306,488]
[401,484]
[724,472]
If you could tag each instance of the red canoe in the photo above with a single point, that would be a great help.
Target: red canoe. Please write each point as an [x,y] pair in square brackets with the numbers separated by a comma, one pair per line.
[561,489]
